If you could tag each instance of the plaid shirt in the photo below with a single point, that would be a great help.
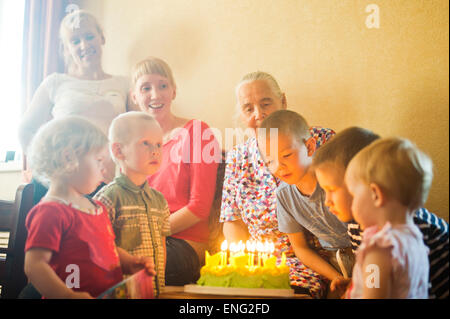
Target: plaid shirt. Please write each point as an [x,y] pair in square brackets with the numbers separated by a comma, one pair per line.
[140,219]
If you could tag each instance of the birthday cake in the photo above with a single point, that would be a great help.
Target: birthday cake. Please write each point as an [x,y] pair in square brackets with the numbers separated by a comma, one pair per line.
[241,273]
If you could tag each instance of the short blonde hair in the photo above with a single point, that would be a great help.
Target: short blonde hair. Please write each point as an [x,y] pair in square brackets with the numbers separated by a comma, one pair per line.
[59,145]
[69,23]
[152,65]
[122,127]
[398,167]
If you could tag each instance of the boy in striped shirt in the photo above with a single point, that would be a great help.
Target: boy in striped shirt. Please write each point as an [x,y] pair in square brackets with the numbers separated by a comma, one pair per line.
[330,163]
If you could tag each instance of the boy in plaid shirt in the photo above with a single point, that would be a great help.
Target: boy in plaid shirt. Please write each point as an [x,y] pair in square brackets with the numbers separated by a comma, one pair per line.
[138,213]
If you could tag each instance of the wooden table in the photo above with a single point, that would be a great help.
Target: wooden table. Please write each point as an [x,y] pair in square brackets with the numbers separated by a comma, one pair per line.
[177,292]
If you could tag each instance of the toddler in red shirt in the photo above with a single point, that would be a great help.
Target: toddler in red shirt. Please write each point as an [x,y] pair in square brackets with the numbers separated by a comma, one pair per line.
[70,249]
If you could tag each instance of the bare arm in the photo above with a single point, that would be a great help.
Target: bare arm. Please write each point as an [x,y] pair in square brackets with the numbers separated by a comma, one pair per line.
[310,258]
[235,230]
[182,219]
[44,278]
[38,113]
[377,274]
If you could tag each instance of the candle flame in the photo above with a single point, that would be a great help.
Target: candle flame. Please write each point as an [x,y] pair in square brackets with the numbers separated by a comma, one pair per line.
[241,246]
[259,246]
[251,246]
[224,245]
[234,247]
[266,246]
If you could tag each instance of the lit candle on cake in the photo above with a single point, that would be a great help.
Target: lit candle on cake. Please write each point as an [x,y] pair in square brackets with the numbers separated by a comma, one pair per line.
[251,246]
[266,251]
[259,250]
[271,248]
[241,247]
[234,248]
[223,255]
[237,269]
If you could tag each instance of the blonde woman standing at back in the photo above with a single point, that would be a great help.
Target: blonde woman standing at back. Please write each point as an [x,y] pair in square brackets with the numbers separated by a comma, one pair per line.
[84,89]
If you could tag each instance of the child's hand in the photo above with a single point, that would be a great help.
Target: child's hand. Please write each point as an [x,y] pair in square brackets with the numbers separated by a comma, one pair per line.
[139,263]
[340,284]
[132,264]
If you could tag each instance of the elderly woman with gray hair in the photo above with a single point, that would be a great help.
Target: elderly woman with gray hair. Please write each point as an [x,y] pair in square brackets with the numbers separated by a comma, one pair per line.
[248,208]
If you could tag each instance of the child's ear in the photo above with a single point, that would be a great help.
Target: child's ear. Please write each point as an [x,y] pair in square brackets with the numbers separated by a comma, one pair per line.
[283,102]
[68,155]
[377,194]
[71,160]
[116,150]
[311,146]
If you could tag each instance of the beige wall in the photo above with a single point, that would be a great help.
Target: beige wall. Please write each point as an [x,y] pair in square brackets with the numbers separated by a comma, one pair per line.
[334,70]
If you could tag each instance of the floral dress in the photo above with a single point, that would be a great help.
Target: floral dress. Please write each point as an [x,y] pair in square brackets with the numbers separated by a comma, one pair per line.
[249,193]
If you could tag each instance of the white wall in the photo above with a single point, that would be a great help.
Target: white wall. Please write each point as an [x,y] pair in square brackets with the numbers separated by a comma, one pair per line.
[9,181]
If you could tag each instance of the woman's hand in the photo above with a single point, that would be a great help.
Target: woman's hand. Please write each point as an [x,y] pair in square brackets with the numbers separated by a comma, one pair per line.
[235,230]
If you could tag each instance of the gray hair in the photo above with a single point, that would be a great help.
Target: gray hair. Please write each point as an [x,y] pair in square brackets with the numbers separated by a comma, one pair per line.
[257,76]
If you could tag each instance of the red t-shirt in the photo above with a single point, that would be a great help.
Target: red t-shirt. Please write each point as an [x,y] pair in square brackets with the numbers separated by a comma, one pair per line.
[78,241]
[187,176]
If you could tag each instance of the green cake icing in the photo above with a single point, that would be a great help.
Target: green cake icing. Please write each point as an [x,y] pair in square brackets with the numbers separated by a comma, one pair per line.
[233,279]
[240,273]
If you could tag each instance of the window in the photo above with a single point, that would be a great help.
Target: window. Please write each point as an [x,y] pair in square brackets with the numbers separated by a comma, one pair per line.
[11,39]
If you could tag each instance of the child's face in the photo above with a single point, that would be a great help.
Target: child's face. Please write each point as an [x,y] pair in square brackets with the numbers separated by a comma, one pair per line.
[91,170]
[142,154]
[256,101]
[362,204]
[338,200]
[292,161]
[154,94]
[84,44]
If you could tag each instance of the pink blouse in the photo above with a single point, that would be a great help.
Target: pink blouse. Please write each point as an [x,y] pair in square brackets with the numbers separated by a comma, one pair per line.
[187,176]
[409,257]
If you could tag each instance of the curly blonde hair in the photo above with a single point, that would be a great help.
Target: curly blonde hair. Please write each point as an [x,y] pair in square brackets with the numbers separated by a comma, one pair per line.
[59,145]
